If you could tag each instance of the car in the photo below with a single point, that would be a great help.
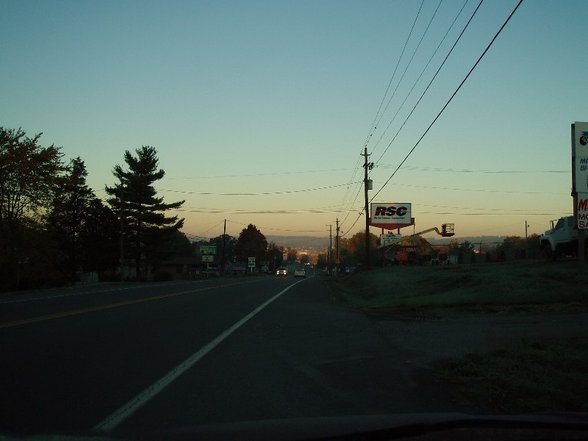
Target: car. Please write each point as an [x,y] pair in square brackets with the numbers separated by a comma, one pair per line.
[299,272]
[281,271]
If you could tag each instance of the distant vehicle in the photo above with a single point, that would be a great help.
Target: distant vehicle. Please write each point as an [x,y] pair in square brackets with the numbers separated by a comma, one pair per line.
[561,239]
[281,271]
[299,272]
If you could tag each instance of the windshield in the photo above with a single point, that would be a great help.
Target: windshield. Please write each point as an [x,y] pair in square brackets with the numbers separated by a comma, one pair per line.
[217,213]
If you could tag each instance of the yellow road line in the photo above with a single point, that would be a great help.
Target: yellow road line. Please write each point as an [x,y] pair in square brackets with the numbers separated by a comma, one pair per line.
[63,314]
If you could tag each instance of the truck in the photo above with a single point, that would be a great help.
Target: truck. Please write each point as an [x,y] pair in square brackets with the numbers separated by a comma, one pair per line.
[561,239]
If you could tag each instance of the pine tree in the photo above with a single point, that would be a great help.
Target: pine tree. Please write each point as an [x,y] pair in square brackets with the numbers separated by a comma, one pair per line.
[144,227]
[68,215]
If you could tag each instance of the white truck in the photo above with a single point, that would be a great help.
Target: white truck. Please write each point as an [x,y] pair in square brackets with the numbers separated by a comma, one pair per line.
[561,239]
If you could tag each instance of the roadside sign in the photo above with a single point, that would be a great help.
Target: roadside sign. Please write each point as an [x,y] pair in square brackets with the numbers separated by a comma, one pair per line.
[207,249]
[582,211]
[251,262]
[208,258]
[580,157]
[389,239]
[390,213]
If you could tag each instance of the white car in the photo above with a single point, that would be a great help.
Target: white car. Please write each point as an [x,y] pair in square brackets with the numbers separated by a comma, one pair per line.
[299,272]
[281,271]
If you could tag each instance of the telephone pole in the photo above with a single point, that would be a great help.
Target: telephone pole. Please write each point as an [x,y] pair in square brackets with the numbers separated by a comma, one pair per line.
[329,256]
[526,230]
[367,183]
[222,270]
[337,261]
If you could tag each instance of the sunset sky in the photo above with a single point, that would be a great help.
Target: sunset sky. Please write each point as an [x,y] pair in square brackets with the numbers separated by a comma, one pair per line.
[259,110]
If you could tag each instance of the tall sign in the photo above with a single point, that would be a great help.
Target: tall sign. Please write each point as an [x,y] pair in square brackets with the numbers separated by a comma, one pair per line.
[397,213]
[208,252]
[580,172]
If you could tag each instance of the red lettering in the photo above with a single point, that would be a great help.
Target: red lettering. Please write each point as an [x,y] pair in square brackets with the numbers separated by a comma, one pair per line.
[583,204]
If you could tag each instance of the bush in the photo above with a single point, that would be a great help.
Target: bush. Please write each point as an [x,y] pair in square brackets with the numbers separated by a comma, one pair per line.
[163,276]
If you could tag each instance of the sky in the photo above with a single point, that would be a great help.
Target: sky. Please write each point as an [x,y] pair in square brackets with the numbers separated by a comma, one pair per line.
[260,110]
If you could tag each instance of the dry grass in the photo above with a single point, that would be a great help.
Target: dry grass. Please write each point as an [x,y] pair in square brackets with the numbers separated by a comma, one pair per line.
[512,284]
[531,377]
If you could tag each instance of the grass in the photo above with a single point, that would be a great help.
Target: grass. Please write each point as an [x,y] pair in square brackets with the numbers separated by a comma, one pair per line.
[531,377]
[526,377]
[485,285]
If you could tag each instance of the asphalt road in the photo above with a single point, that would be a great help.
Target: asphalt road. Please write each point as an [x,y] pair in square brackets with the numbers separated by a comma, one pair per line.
[131,359]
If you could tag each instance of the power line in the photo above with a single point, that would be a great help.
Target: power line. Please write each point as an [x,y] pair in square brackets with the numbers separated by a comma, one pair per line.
[490,213]
[472,171]
[421,74]
[452,96]
[374,123]
[431,81]
[264,193]
[376,119]
[479,209]
[233,211]
[426,89]
[251,175]
[261,227]
[408,65]
[359,188]
[353,225]
[475,190]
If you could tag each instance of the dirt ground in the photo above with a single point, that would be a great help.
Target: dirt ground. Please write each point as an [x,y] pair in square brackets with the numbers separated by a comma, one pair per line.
[431,337]
[444,314]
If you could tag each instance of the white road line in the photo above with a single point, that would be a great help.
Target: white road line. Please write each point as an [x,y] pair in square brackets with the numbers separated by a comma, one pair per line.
[119,416]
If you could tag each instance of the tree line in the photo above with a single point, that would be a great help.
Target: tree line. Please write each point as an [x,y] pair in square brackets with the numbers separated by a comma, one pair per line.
[53,227]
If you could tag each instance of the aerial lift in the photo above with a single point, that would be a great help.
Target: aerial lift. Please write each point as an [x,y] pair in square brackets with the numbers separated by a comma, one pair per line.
[412,246]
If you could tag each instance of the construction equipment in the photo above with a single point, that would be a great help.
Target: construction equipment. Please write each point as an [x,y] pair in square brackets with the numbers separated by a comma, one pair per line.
[412,248]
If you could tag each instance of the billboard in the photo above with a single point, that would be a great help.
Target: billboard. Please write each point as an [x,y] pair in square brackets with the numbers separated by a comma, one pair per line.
[582,211]
[390,213]
[580,157]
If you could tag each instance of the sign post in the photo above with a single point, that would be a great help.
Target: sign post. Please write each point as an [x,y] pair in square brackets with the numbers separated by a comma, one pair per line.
[580,185]
[251,263]
[208,253]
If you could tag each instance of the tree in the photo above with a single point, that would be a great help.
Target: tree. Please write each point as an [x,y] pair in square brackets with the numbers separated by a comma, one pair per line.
[179,245]
[100,237]
[145,227]
[321,262]
[29,174]
[69,213]
[466,252]
[251,243]
[275,256]
[352,250]
[229,243]
[292,255]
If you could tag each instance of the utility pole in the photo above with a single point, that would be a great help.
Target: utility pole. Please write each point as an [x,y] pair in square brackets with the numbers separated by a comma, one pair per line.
[337,261]
[526,230]
[367,186]
[122,242]
[222,271]
[329,257]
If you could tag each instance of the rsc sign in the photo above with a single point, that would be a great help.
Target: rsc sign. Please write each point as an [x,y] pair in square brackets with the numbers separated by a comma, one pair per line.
[391,213]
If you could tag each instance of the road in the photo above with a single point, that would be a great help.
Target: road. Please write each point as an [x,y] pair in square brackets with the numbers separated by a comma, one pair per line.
[132,359]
